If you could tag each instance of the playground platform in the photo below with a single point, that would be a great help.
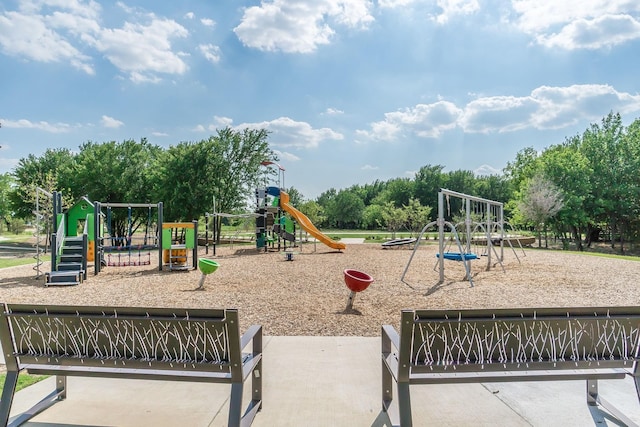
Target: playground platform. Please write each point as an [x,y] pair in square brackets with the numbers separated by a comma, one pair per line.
[325,381]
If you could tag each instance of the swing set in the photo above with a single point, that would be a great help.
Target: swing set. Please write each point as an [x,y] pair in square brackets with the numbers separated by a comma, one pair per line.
[125,248]
[488,228]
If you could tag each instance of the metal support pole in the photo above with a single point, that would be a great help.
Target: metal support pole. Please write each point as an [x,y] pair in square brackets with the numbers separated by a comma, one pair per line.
[441,235]
[489,241]
[160,220]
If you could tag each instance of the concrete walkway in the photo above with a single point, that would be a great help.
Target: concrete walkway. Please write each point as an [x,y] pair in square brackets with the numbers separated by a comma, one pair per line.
[325,381]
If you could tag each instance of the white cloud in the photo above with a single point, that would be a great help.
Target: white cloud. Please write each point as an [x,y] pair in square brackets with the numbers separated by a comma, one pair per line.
[143,50]
[208,22]
[211,52]
[425,120]
[369,168]
[42,125]
[486,170]
[110,122]
[300,26]
[287,156]
[222,121]
[189,15]
[498,114]
[219,122]
[41,38]
[603,31]
[160,134]
[199,128]
[333,111]
[70,30]
[578,24]
[395,3]
[545,108]
[286,132]
[452,8]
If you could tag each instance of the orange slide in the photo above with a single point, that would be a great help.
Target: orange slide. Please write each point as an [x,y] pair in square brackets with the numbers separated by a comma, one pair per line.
[306,223]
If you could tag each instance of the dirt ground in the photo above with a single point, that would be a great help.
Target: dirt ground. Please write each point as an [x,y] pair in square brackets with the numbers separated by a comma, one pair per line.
[308,296]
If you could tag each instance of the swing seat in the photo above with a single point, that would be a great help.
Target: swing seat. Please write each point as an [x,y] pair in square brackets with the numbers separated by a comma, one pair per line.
[457,256]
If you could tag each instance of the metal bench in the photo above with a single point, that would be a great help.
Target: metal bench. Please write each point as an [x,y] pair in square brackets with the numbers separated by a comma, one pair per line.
[199,345]
[508,345]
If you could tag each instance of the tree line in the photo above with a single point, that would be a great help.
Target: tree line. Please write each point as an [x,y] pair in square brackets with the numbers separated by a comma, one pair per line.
[581,190]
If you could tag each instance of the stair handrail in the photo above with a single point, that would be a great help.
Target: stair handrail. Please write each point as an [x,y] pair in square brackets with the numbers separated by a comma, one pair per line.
[60,236]
[85,245]
[57,240]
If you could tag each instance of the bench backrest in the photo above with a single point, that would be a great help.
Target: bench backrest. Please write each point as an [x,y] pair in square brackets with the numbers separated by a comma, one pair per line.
[519,339]
[121,337]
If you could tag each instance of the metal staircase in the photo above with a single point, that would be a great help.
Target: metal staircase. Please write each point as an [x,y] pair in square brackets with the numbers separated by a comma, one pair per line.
[71,266]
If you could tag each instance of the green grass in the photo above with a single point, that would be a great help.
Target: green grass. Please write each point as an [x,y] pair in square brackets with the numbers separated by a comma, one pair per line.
[12,262]
[605,255]
[24,380]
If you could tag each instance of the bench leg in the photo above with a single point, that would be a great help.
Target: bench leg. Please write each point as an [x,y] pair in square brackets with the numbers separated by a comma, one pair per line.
[404,404]
[387,387]
[235,405]
[256,386]
[56,395]
[7,396]
[636,379]
[592,392]
[61,387]
[594,399]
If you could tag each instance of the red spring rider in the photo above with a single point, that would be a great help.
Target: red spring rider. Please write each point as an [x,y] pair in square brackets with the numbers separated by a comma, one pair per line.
[356,281]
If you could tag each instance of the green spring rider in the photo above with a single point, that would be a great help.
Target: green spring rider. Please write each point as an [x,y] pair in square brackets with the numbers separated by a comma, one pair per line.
[206,267]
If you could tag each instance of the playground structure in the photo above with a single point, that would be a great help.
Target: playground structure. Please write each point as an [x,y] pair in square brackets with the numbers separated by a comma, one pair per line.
[179,239]
[489,228]
[130,249]
[285,228]
[71,244]
[275,220]
[272,226]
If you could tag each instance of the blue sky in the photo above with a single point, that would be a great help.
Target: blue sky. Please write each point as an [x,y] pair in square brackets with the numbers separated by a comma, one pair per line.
[351,90]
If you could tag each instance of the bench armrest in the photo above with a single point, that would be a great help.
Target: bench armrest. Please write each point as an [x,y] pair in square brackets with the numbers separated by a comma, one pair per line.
[390,334]
[250,334]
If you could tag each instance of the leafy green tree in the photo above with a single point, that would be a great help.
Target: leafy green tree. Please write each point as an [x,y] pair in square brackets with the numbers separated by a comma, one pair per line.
[346,210]
[608,201]
[118,172]
[373,217]
[182,179]
[631,142]
[313,211]
[417,216]
[54,170]
[399,191]
[225,167]
[326,200]
[428,182]
[493,187]
[568,169]
[523,168]
[6,187]
[371,191]
[394,217]
[295,197]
